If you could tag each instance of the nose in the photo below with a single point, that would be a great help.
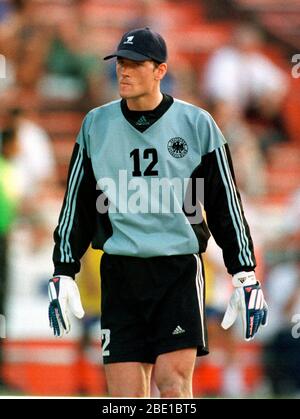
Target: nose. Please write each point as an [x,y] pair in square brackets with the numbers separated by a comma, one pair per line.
[124,70]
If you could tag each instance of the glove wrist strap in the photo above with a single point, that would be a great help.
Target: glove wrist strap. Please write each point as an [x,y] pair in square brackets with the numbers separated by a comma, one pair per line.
[63,277]
[244,279]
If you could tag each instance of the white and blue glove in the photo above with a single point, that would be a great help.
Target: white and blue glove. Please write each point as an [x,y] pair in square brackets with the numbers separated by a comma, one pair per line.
[63,296]
[248,301]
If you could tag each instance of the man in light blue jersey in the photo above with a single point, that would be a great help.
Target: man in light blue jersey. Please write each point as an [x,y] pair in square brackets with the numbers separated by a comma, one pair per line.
[136,175]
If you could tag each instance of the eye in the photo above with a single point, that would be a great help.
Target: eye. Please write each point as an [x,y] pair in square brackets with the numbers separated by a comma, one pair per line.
[136,63]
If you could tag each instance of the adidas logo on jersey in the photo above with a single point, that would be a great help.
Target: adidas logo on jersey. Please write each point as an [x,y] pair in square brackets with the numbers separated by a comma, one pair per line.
[142,121]
[178,331]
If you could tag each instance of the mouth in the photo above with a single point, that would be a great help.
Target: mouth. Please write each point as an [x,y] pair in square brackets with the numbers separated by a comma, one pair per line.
[123,83]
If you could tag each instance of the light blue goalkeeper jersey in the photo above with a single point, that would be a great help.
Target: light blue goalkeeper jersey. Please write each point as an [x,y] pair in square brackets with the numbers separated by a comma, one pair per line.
[146,212]
[129,192]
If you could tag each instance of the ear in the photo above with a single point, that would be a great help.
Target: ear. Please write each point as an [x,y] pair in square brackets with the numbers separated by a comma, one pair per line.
[160,71]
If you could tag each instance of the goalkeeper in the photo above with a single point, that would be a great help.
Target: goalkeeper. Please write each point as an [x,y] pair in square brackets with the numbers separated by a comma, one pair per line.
[153,285]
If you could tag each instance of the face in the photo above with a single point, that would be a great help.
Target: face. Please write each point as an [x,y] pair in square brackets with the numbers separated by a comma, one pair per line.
[138,78]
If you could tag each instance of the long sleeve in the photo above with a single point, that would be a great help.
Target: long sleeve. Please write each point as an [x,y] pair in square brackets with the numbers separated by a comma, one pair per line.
[224,211]
[77,219]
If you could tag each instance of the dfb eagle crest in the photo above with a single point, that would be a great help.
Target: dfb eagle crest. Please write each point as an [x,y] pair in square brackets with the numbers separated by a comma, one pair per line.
[177,147]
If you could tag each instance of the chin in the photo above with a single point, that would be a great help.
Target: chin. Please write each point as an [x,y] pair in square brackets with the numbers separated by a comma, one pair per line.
[123,95]
[127,94]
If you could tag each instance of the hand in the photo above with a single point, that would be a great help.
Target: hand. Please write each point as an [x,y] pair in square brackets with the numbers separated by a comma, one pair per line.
[248,301]
[63,294]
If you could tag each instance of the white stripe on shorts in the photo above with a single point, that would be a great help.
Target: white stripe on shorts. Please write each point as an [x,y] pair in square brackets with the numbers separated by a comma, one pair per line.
[200,293]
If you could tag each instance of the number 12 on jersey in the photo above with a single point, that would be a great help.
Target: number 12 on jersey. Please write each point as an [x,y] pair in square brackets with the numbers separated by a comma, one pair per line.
[149,153]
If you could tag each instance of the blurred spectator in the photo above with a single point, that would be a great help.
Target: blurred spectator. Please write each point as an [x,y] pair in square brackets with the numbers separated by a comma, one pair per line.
[23,41]
[249,161]
[73,71]
[35,160]
[8,48]
[9,197]
[89,285]
[281,354]
[283,288]
[291,226]
[144,15]
[242,75]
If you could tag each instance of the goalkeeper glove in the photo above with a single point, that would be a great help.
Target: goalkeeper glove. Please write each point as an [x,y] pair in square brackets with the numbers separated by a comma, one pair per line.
[63,294]
[247,301]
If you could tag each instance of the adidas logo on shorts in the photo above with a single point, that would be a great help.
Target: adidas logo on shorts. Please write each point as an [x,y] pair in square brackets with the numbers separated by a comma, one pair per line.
[178,331]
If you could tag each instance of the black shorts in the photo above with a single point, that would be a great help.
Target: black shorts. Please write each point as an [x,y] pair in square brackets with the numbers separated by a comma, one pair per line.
[151,306]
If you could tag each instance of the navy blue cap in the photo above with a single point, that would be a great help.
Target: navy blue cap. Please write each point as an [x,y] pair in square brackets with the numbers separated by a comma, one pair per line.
[141,45]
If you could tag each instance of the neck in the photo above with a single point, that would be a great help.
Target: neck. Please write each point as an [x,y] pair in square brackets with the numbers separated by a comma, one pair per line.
[145,103]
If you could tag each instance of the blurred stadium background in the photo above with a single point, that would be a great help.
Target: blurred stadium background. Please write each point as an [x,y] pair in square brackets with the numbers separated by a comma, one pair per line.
[231,57]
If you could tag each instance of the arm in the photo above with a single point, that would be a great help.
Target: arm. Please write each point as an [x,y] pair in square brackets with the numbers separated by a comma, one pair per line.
[225,215]
[226,220]
[72,238]
[77,218]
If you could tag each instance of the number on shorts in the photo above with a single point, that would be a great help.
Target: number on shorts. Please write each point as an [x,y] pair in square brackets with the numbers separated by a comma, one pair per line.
[105,337]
